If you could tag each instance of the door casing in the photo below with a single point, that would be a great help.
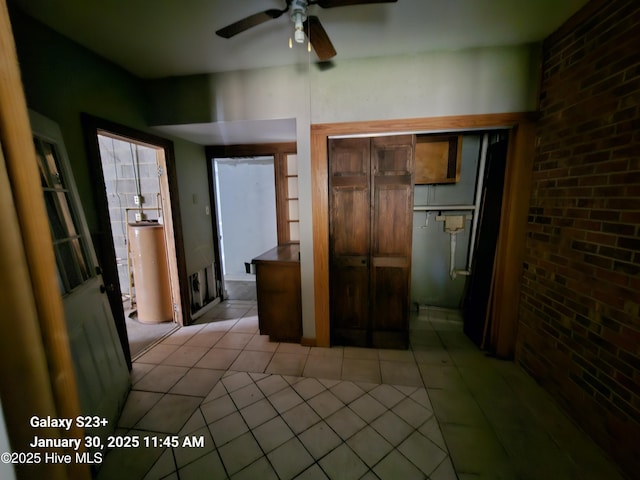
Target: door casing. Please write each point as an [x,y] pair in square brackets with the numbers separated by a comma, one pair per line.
[103,238]
[513,217]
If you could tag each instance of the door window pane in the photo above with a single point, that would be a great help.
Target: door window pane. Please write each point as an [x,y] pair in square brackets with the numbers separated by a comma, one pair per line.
[71,254]
[68,261]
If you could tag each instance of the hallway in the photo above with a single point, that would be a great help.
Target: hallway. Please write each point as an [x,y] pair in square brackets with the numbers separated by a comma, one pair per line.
[442,410]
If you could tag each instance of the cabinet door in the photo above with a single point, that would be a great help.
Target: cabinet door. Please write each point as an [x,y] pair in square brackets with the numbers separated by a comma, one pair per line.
[349,238]
[392,160]
[279,309]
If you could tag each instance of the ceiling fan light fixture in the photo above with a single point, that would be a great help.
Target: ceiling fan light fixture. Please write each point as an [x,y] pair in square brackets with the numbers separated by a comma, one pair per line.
[299,32]
[298,16]
[308,26]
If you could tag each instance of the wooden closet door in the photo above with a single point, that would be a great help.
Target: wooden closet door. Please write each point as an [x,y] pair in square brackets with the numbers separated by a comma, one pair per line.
[349,240]
[391,237]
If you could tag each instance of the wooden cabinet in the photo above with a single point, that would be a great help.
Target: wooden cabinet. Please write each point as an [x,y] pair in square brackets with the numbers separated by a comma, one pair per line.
[437,159]
[370,233]
[278,291]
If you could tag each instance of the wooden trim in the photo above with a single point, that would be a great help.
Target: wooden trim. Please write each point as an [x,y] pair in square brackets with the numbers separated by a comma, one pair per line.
[280,177]
[279,152]
[170,207]
[320,216]
[308,342]
[423,125]
[319,189]
[510,249]
[102,238]
[92,125]
[35,341]
[254,150]
[217,255]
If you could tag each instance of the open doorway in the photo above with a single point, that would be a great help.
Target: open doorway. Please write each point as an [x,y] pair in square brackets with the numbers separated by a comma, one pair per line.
[132,185]
[246,213]
[135,186]
[272,188]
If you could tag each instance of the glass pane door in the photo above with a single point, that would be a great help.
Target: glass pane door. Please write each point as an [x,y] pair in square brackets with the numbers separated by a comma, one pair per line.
[69,244]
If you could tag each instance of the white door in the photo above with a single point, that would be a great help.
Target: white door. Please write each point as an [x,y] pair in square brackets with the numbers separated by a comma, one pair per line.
[101,371]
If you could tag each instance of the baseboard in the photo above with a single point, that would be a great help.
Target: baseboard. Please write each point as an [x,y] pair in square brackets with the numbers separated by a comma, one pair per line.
[308,342]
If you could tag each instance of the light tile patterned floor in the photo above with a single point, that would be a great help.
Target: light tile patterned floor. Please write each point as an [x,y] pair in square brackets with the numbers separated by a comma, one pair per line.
[441,410]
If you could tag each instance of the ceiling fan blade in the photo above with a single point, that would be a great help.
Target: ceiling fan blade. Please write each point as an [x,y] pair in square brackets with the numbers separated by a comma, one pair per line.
[319,38]
[249,22]
[346,3]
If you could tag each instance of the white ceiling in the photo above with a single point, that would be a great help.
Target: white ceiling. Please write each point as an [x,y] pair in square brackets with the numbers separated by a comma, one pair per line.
[161,38]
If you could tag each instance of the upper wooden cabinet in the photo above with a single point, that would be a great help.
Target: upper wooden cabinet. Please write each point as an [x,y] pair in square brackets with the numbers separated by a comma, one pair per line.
[437,159]
[370,233]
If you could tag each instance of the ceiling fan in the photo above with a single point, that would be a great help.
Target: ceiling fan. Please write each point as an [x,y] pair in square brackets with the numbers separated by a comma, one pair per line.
[304,24]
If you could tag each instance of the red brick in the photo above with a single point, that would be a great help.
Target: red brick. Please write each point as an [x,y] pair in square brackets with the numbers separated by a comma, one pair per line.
[582,283]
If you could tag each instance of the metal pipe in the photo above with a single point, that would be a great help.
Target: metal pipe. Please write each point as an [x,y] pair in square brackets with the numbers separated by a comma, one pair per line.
[478,200]
[442,208]
[452,256]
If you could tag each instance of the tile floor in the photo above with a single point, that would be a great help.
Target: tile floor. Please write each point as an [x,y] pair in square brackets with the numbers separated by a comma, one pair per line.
[142,335]
[442,410]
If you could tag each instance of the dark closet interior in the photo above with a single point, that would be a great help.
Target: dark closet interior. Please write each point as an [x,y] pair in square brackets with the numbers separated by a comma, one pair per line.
[478,287]
[371,214]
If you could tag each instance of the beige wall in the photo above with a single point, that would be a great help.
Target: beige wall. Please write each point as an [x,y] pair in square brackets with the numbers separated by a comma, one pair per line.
[478,81]
[62,79]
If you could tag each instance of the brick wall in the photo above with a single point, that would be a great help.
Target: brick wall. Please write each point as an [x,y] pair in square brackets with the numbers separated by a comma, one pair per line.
[579,331]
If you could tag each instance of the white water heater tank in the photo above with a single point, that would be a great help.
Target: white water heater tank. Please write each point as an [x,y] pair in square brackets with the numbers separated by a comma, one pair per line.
[150,272]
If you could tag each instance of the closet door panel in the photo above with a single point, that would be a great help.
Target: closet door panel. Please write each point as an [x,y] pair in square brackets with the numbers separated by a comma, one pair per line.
[393,155]
[350,225]
[391,238]
[392,213]
[350,306]
[349,239]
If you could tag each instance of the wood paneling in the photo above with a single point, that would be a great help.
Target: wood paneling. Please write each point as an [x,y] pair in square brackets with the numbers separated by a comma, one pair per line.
[349,233]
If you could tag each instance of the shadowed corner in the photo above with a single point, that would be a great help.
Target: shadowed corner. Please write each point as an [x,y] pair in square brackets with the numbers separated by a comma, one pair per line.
[324,66]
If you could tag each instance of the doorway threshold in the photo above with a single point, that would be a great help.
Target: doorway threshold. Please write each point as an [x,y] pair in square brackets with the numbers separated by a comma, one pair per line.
[143,336]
